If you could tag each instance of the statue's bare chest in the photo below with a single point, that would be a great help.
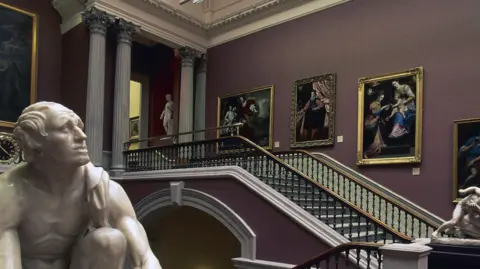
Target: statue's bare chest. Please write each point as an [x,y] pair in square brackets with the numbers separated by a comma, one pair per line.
[45,215]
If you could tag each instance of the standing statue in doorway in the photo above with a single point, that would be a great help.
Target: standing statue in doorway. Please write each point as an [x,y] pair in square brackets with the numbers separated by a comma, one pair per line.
[167,115]
[57,210]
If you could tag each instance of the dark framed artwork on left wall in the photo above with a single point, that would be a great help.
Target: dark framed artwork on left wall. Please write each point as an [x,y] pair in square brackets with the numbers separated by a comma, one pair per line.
[18,62]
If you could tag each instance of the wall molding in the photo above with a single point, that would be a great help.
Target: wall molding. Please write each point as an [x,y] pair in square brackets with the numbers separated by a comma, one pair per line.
[173,27]
[242,263]
[180,196]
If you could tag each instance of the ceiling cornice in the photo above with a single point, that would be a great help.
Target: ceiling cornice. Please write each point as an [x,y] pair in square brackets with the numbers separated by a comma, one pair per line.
[173,27]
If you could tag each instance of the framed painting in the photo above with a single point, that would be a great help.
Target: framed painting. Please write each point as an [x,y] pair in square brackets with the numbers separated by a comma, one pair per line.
[18,62]
[313,112]
[253,108]
[466,155]
[390,118]
[134,128]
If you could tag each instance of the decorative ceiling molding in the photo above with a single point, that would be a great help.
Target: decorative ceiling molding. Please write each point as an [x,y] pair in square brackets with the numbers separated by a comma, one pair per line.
[174,27]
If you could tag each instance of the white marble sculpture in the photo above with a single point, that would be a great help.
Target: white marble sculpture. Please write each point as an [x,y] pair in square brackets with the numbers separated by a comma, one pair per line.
[465,221]
[167,115]
[58,211]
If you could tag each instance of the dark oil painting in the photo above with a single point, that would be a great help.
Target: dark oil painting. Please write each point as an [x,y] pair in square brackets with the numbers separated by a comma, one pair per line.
[389,118]
[466,155]
[254,109]
[17,62]
[313,111]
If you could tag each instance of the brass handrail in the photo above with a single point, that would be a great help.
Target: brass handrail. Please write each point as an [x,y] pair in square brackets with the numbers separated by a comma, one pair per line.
[236,125]
[352,177]
[332,193]
[339,248]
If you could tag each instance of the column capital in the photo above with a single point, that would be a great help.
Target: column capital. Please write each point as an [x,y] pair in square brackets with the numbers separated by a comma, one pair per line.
[187,55]
[97,21]
[202,63]
[126,30]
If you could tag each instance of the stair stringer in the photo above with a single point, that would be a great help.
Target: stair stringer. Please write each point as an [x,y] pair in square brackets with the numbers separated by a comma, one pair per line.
[313,225]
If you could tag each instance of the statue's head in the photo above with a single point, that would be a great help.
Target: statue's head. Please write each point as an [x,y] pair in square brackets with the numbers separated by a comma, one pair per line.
[168,97]
[52,132]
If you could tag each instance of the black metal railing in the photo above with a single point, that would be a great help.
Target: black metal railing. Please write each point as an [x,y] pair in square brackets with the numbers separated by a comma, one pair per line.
[343,216]
[352,189]
[347,256]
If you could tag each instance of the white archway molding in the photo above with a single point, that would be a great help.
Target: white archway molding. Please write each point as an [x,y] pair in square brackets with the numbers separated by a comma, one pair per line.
[177,195]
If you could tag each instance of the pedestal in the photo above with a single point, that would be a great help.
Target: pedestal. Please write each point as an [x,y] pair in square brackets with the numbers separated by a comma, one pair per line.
[452,257]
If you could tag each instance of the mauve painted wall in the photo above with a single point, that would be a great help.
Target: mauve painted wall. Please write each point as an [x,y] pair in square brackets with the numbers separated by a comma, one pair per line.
[49,48]
[279,238]
[367,38]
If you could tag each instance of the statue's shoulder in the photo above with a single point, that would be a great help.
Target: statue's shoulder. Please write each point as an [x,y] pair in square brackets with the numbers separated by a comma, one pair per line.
[11,194]
[95,175]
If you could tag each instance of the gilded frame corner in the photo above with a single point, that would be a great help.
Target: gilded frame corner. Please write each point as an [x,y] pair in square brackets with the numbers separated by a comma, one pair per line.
[455,165]
[418,72]
[34,57]
[329,141]
[271,108]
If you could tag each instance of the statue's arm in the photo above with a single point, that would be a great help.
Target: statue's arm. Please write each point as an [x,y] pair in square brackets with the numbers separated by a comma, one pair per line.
[122,217]
[10,216]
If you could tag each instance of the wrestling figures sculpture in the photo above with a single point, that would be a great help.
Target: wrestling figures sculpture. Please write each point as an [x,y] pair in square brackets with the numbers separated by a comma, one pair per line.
[465,222]
[58,211]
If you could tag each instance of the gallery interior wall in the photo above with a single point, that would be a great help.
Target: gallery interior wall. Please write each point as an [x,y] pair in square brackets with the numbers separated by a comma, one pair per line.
[367,38]
[49,48]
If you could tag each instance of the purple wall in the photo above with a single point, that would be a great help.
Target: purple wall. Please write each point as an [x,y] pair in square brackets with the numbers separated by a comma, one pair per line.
[279,238]
[368,38]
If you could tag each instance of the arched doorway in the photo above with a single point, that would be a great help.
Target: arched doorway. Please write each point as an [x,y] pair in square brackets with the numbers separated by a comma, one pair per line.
[186,237]
[194,210]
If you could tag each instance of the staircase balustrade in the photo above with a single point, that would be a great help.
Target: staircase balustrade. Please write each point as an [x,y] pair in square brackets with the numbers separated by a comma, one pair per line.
[347,256]
[343,216]
[379,205]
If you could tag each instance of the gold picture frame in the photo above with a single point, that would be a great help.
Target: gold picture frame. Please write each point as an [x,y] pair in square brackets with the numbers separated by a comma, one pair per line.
[134,128]
[246,106]
[465,133]
[390,118]
[313,121]
[17,59]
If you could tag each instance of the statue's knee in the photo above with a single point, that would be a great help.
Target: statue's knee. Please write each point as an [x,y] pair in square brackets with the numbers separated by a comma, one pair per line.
[108,241]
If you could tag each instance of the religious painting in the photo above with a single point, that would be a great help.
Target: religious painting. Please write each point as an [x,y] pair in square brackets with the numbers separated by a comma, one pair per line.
[390,118]
[134,128]
[254,109]
[466,155]
[313,112]
[18,62]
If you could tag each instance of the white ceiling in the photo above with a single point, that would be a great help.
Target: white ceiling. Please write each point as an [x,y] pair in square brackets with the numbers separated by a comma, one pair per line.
[200,26]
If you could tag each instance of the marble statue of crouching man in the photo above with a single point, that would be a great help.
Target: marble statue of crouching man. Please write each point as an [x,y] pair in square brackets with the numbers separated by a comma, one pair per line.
[48,204]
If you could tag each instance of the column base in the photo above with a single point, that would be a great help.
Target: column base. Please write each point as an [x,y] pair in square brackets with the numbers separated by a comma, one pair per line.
[116,172]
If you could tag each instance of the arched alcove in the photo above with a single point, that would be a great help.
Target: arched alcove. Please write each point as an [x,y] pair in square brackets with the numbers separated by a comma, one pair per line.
[164,199]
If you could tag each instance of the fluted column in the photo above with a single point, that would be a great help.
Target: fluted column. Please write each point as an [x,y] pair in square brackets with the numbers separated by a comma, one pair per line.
[200,83]
[185,119]
[98,23]
[122,94]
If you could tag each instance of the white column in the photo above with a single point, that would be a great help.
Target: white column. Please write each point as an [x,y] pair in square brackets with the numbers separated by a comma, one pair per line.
[200,88]
[405,256]
[97,22]
[185,119]
[122,94]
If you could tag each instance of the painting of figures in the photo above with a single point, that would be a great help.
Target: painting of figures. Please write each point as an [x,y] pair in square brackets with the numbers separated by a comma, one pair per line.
[18,38]
[254,109]
[466,155]
[313,111]
[390,118]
